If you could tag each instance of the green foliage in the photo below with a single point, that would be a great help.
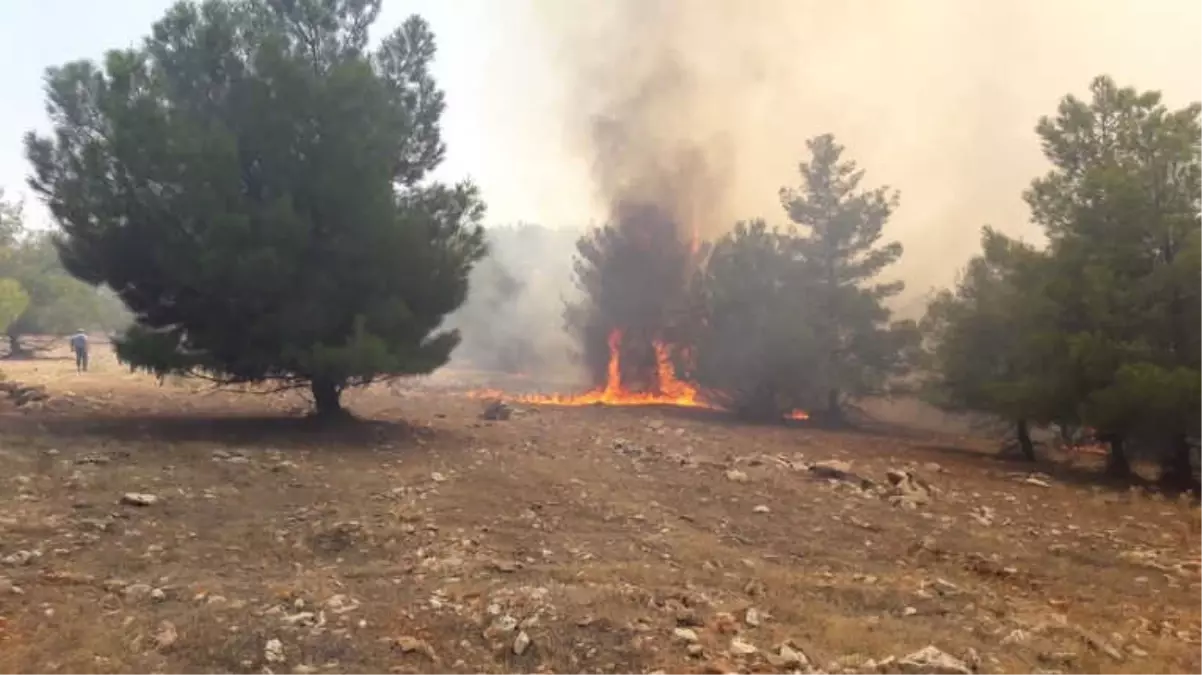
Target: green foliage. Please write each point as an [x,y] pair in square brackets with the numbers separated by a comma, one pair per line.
[249,183]
[13,301]
[757,350]
[841,250]
[55,302]
[796,318]
[1102,328]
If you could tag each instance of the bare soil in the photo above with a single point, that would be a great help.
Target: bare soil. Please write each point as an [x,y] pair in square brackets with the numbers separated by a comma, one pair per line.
[428,539]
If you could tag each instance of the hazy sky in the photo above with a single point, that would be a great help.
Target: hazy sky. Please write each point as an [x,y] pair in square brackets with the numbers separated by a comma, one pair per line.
[937,98]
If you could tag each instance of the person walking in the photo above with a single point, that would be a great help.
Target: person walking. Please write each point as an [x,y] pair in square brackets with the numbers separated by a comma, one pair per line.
[79,344]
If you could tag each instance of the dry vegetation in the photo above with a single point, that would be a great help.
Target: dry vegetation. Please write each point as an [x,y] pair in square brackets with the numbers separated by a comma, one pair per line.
[612,539]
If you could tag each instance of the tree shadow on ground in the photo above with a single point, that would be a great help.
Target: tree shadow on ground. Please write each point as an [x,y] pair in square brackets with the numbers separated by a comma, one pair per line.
[221,429]
[1086,476]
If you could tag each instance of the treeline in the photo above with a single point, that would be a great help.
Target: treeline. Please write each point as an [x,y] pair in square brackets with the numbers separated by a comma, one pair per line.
[1099,328]
[37,295]
[1096,328]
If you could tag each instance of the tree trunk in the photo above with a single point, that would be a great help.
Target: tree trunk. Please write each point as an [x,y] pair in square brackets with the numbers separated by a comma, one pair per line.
[1116,461]
[327,397]
[14,347]
[1176,470]
[833,411]
[1023,433]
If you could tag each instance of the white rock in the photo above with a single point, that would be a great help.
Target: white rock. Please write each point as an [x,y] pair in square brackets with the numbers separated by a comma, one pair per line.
[136,592]
[437,477]
[273,651]
[158,595]
[521,643]
[741,648]
[931,659]
[736,476]
[751,617]
[761,509]
[139,499]
[685,634]
[166,635]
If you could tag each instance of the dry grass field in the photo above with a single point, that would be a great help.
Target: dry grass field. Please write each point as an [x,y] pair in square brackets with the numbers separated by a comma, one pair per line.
[172,528]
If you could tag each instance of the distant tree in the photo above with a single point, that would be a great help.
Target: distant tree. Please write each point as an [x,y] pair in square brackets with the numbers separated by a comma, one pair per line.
[249,183]
[53,301]
[11,222]
[757,350]
[1122,210]
[13,301]
[840,242]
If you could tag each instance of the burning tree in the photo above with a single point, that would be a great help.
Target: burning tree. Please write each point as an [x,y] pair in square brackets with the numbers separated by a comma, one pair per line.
[634,276]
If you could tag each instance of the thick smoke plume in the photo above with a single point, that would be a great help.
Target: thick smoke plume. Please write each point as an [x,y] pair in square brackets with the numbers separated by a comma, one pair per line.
[697,111]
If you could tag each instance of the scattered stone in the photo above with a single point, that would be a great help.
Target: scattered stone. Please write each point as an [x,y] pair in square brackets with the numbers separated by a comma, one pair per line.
[786,658]
[984,515]
[1100,644]
[409,644]
[158,595]
[909,611]
[742,648]
[1016,637]
[931,659]
[945,587]
[496,411]
[341,604]
[273,651]
[166,635]
[20,558]
[521,643]
[502,625]
[7,587]
[831,468]
[761,508]
[906,489]
[1038,482]
[736,476]
[751,617]
[137,592]
[695,650]
[139,499]
[438,477]
[685,634]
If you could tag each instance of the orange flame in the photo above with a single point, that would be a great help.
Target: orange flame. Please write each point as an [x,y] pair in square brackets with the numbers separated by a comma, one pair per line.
[797,415]
[671,390]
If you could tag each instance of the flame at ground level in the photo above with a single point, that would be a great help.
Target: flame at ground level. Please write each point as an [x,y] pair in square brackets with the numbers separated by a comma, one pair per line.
[671,390]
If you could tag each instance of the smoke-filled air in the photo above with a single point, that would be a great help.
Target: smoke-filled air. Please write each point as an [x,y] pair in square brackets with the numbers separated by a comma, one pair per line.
[680,118]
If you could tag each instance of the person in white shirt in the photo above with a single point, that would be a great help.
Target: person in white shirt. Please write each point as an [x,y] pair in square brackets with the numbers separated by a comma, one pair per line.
[79,344]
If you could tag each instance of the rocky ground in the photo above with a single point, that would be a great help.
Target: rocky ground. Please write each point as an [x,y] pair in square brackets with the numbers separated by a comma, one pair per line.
[172,528]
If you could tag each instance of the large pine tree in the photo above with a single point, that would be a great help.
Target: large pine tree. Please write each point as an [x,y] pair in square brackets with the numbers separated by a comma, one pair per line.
[250,183]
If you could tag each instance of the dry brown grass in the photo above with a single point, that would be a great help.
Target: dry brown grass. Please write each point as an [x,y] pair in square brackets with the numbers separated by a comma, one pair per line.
[542,516]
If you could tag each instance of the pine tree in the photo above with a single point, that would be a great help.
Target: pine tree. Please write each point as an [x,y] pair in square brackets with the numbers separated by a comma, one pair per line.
[841,229]
[1121,208]
[249,181]
[990,341]
[756,350]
